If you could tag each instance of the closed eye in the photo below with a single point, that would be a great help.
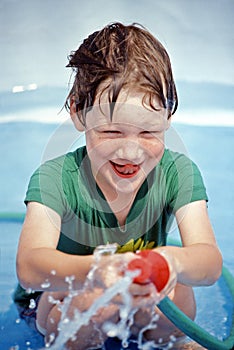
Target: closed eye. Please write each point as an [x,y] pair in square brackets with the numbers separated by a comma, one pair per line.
[149,134]
[110,133]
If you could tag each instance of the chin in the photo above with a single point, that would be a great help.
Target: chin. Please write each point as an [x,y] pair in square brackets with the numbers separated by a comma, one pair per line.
[128,185]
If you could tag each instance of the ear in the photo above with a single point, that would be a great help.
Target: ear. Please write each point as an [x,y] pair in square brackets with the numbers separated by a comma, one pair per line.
[74,115]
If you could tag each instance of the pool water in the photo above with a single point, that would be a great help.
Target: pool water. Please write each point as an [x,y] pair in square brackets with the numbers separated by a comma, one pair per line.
[23,146]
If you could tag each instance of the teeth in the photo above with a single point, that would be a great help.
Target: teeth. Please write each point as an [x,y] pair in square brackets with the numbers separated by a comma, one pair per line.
[126,169]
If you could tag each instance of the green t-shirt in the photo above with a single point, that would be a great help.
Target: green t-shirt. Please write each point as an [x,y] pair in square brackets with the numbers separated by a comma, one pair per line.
[66,185]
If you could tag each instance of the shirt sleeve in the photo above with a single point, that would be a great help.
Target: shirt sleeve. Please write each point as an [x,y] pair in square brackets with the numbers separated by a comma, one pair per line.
[185,183]
[46,187]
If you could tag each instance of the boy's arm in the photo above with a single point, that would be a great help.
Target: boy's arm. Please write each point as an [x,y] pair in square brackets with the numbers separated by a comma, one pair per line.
[199,261]
[38,262]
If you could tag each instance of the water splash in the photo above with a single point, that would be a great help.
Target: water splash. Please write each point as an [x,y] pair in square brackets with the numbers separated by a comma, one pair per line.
[68,327]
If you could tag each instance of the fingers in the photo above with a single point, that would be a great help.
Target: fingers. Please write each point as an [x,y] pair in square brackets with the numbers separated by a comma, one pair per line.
[147,289]
[109,269]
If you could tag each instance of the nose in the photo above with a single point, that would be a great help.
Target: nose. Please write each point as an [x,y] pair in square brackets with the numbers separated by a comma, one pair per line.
[130,150]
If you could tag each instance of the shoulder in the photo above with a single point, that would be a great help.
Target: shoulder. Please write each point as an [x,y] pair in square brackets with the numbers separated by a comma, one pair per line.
[171,157]
[58,172]
[184,181]
[67,162]
[53,183]
[174,162]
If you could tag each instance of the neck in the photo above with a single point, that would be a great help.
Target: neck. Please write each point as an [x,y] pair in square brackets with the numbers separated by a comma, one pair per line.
[120,203]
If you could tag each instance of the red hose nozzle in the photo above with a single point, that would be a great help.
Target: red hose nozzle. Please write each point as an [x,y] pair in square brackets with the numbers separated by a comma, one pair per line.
[153,266]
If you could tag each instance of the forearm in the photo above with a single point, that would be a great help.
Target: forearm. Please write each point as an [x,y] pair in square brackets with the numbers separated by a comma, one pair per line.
[47,269]
[197,264]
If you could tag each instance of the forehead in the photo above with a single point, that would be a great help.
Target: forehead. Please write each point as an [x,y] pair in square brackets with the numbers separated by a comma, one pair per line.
[128,110]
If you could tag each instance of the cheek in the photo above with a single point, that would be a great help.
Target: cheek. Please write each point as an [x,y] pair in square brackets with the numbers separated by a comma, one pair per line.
[92,144]
[154,148]
[98,150]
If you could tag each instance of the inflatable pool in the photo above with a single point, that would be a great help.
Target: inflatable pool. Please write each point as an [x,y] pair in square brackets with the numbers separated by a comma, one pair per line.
[214,327]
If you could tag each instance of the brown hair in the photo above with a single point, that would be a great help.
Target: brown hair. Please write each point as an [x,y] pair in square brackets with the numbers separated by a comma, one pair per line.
[124,56]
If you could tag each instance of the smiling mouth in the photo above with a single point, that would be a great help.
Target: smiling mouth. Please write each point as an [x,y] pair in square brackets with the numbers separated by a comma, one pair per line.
[125,170]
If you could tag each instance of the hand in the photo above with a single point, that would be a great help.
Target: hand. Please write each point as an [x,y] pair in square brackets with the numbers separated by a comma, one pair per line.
[157,268]
[108,269]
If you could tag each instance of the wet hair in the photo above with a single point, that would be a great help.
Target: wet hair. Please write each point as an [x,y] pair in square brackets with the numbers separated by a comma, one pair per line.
[121,57]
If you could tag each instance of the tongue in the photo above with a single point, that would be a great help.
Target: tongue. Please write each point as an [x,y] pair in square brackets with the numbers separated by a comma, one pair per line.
[126,169]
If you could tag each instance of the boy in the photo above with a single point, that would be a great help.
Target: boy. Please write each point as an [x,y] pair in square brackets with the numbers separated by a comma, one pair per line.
[123,188]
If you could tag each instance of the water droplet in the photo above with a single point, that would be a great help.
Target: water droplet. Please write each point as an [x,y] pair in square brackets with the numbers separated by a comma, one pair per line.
[51,320]
[172,338]
[66,320]
[51,300]
[29,290]
[73,338]
[112,333]
[125,344]
[51,339]
[32,304]
[45,284]
[69,279]
[18,320]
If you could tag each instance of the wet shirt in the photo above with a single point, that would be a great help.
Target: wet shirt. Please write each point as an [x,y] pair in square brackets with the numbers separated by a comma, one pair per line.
[67,186]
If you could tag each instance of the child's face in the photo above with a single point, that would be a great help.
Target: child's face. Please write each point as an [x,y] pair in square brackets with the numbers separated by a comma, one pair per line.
[123,151]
